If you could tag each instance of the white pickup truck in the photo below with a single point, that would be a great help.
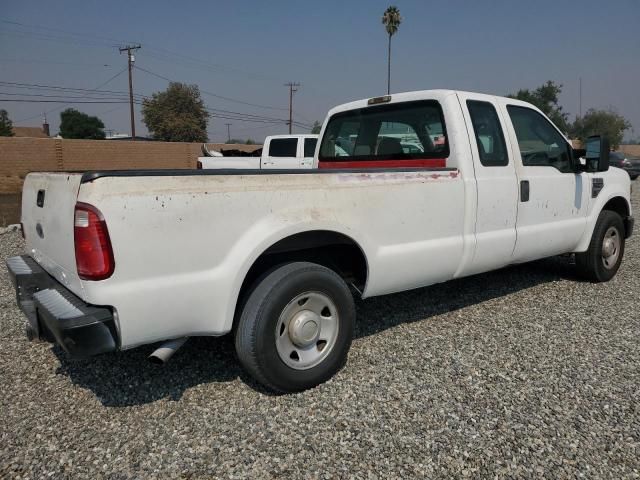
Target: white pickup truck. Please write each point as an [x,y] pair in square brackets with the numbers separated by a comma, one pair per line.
[278,151]
[117,259]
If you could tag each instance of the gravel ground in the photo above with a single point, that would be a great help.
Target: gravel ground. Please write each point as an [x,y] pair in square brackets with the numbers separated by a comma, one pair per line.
[524,372]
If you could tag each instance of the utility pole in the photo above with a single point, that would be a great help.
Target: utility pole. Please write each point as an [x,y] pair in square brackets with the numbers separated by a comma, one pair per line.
[131,59]
[580,98]
[228,132]
[292,89]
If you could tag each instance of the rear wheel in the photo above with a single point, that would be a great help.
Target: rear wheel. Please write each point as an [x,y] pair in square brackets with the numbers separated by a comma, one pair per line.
[602,260]
[296,327]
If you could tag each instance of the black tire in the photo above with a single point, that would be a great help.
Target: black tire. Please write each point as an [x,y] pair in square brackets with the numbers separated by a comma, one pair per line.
[255,337]
[590,264]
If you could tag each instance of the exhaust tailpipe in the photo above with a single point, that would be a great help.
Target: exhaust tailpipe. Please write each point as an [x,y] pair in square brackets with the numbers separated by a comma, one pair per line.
[162,355]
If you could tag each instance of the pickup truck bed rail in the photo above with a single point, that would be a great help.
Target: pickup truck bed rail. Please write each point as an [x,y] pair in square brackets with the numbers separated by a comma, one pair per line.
[88,177]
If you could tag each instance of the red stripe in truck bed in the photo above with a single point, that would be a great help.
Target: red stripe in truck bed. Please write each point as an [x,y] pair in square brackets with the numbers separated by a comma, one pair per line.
[427,163]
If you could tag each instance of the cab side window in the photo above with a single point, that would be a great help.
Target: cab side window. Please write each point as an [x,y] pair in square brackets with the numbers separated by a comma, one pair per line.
[310,146]
[283,147]
[541,145]
[489,136]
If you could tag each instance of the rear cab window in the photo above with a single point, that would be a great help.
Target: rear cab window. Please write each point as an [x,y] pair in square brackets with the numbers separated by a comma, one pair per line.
[488,132]
[404,134]
[283,147]
[310,146]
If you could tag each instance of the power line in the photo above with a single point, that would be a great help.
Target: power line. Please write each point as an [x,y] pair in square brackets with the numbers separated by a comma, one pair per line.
[58,108]
[174,58]
[50,62]
[55,38]
[87,94]
[262,117]
[20,24]
[160,53]
[38,86]
[67,102]
[212,94]
[62,96]
[109,111]
[225,114]
[107,94]
[250,118]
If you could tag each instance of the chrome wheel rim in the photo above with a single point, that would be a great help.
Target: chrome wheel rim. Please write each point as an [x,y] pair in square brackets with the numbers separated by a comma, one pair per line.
[610,247]
[307,330]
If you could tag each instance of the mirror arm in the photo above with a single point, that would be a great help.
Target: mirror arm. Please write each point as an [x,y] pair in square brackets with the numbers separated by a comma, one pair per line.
[577,154]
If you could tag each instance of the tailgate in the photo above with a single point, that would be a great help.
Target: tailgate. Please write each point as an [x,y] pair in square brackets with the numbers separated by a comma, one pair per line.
[48,203]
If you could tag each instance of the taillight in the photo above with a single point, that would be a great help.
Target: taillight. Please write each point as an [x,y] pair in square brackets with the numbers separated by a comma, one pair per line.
[94,256]
[199,165]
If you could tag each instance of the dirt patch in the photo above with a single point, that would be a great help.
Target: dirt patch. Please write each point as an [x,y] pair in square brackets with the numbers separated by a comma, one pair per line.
[9,208]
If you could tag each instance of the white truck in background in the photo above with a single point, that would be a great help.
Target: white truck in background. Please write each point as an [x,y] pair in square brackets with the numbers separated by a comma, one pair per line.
[278,152]
[117,259]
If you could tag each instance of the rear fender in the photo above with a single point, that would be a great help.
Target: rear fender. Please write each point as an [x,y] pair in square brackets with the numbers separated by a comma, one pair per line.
[256,242]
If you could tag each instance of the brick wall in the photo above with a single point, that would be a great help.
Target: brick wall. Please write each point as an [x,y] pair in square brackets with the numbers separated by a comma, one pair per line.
[631,150]
[19,156]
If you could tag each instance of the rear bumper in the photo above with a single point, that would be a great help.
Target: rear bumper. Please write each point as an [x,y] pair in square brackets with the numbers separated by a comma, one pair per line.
[58,316]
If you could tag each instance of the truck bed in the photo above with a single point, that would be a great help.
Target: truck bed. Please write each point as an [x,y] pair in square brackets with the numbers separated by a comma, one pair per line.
[189,237]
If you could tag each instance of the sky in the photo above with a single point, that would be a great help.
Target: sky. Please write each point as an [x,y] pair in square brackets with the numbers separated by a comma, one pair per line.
[241,53]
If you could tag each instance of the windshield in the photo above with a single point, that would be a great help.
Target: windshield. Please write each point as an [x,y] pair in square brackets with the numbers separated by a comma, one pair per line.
[407,130]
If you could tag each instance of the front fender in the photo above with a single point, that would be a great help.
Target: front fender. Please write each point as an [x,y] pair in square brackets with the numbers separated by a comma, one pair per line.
[605,196]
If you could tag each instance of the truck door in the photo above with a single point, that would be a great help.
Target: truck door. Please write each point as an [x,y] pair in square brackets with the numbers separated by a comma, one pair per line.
[553,199]
[497,189]
[281,153]
[307,149]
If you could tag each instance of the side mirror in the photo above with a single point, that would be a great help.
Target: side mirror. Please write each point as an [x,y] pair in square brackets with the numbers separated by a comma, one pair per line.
[597,153]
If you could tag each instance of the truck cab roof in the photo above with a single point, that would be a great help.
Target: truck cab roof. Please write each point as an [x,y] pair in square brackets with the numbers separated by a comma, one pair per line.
[435,94]
[293,135]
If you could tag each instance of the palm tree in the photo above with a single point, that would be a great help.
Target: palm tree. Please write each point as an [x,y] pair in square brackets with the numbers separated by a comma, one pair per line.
[391,21]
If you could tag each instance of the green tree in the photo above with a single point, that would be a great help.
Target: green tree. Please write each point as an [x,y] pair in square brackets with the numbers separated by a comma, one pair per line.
[601,122]
[6,126]
[317,126]
[75,124]
[177,114]
[546,99]
[391,21]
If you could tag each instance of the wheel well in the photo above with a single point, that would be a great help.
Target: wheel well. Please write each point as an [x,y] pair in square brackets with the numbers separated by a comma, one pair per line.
[329,249]
[618,205]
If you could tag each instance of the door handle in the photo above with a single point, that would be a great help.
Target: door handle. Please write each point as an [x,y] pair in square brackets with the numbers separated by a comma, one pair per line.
[524,190]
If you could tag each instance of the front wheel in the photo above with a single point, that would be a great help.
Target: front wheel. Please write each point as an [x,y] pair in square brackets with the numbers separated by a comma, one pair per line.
[296,327]
[604,255]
